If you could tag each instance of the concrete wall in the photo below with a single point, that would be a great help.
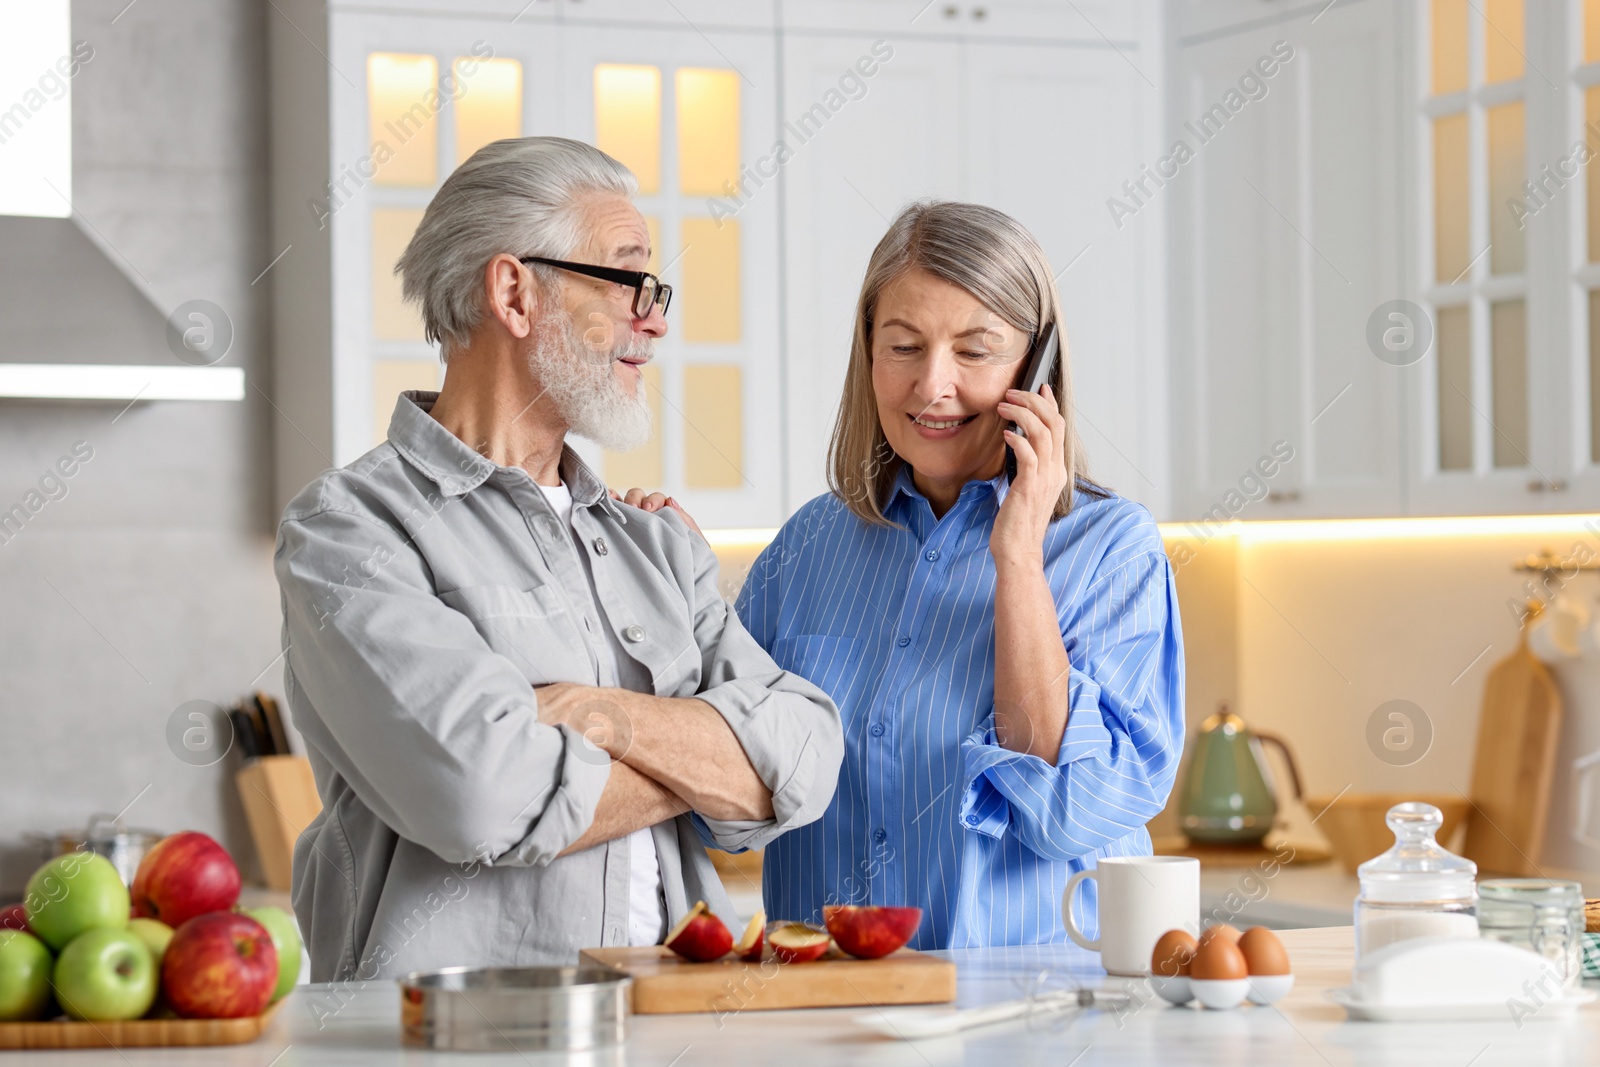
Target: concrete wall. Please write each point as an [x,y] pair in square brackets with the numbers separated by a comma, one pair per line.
[149,584]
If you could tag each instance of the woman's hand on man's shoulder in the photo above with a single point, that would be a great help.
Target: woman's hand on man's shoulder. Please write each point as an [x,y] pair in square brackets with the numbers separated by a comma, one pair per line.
[647,501]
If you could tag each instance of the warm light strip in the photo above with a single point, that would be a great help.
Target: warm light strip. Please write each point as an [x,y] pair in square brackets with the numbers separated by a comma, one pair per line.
[1290,530]
[91,381]
[754,537]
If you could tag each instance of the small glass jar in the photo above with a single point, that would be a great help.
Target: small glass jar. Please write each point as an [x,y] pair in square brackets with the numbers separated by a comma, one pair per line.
[1417,888]
[1539,914]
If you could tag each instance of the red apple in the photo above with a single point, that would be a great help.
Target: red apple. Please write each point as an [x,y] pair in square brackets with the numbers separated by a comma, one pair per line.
[749,947]
[14,917]
[219,966]
[184,875]
[869,931]
[797,942]
[699,936]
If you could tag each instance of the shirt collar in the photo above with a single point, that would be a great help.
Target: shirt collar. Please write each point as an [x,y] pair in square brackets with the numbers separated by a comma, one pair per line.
[905,486]
[457,469]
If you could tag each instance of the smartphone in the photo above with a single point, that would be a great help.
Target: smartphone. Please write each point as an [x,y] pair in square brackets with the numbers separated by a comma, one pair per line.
[1041,368]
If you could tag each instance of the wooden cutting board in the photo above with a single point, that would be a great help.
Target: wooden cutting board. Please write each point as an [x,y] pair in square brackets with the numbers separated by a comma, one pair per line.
[136,1033]
[1514,765]
[664,983]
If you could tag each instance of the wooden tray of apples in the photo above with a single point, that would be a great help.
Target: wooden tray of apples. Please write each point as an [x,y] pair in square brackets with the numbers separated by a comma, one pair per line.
[85,963]
[860,959]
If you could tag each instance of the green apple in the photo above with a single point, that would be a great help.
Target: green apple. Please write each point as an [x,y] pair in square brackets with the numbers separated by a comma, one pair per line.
[154,933]
[73,893]
[286,939]
[105,974]
[24,976]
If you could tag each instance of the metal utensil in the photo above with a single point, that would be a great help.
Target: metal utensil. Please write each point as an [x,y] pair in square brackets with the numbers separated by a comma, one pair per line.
[914,1023]
[530,1009]
[105,835]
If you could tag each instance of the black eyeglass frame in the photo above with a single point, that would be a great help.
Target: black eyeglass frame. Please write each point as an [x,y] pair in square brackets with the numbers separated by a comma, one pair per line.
[659,291]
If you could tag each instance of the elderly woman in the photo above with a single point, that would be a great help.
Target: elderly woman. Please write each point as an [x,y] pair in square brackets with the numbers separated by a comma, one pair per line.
[1004,651]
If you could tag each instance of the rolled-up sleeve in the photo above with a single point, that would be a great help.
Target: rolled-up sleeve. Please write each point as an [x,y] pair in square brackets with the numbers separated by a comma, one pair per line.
[1124,729]
[789,728]
[438,734]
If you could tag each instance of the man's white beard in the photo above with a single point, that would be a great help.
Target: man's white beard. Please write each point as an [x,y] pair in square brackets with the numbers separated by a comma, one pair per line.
[584,389]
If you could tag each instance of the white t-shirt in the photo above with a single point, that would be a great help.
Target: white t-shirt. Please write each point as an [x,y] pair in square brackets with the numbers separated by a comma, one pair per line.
[647,910]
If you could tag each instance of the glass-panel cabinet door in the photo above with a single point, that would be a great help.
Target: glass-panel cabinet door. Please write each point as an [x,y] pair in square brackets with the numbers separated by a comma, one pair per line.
[691,114]
[1481,443]
[412,97]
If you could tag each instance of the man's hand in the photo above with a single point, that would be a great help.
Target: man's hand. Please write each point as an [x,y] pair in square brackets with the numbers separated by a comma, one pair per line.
[683,743]
[592,711]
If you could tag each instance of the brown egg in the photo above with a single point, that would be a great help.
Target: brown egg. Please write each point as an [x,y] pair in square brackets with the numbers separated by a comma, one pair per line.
[1263,952]
[1217,959]
[1173,953]
[1222,930]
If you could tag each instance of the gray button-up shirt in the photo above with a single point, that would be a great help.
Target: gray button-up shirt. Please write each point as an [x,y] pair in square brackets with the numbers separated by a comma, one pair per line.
[426,590]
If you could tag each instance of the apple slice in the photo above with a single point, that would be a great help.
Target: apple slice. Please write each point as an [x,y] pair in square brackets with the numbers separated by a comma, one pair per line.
[797,942]
[749,947]
[700,936]
[869,931]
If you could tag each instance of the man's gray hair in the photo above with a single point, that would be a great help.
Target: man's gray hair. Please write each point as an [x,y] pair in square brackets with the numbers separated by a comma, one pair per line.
[520,196]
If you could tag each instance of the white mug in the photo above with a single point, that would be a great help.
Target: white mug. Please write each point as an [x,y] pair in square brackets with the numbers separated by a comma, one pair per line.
[1141,898]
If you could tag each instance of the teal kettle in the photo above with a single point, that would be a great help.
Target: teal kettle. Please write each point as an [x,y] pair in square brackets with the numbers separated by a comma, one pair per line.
[1228,796]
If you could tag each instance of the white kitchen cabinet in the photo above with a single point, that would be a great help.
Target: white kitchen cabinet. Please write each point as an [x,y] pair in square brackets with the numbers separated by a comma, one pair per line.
[1358,180]
[347,344]
[1285,238]
[1043,131]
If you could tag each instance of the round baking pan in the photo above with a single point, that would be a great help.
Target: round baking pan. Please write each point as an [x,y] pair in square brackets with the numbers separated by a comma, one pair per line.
[495,1009]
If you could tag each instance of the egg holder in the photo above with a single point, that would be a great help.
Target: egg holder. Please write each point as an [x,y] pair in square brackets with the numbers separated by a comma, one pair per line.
[1221,994]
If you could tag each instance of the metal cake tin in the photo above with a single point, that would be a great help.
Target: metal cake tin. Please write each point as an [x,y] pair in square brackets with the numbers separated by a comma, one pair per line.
[493,1009]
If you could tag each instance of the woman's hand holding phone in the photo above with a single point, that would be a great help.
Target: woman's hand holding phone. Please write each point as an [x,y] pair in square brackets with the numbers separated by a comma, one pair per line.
[1041,460]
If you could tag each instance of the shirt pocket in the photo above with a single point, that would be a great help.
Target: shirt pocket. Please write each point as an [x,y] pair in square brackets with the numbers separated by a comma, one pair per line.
[530,627]
[832,664]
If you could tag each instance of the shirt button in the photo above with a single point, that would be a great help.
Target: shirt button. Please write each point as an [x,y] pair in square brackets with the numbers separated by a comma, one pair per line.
[931,555]
[877,729]
[588,623]
[600,546]
[904,641]
[880,835]
[634,633]
[972,820]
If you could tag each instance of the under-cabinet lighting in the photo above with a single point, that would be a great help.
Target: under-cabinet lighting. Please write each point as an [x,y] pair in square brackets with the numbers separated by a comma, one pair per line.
[97,381]
[37,64]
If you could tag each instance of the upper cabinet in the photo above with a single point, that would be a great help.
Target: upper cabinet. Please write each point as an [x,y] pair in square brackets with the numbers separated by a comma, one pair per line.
[1378,260]
[1285,237]
[684,95]
[773,143]
[1044,129]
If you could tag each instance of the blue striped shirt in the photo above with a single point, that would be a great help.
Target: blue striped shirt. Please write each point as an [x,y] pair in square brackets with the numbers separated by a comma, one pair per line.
[897,625]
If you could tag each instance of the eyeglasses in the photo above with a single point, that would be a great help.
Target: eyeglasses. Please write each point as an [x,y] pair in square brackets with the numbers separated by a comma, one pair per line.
[648,290]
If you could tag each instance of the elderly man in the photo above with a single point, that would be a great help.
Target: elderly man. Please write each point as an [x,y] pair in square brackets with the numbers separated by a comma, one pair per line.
[527,705]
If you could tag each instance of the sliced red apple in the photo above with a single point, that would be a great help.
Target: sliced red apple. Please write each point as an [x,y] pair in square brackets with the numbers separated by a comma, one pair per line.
[797,942]
[749,947]
[869,931]
[700,936]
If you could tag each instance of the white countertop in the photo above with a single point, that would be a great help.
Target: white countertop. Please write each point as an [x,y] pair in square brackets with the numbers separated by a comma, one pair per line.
[1303,1029]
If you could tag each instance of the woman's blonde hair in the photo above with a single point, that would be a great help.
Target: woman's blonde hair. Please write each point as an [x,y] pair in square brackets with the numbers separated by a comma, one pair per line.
[993,257]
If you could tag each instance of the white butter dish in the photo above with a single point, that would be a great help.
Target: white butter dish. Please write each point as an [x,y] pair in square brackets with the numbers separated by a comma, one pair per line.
[1452,978]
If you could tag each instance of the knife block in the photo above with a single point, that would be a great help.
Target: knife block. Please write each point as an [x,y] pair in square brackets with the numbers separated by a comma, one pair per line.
[280,800]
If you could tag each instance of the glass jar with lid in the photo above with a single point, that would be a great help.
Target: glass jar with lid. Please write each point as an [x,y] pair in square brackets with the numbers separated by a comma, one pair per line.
[1539,914]
[1416,889]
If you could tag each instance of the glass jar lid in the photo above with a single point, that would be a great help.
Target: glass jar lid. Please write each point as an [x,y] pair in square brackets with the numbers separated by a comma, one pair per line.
[1532,892]
[1417,869]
